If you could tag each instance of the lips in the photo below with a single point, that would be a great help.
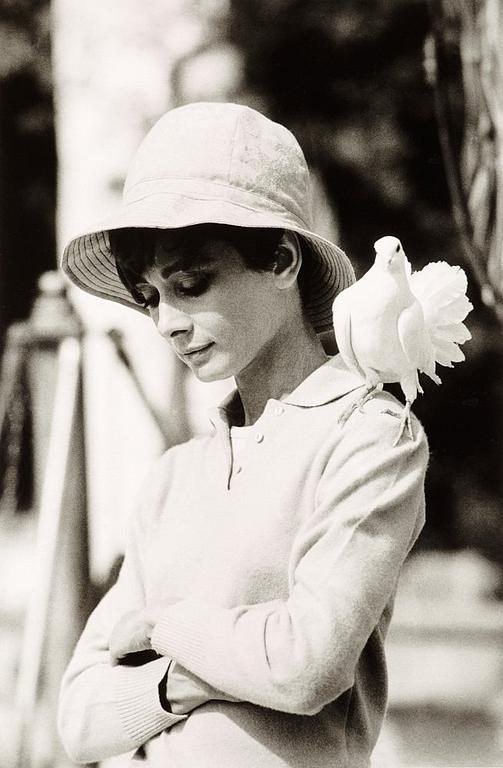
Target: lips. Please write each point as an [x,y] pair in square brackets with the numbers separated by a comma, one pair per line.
[192,352]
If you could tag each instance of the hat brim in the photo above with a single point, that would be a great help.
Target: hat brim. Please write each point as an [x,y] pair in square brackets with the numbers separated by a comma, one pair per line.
[90,264]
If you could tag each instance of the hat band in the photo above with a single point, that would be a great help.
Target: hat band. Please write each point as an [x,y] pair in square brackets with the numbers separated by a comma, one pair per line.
[253,201]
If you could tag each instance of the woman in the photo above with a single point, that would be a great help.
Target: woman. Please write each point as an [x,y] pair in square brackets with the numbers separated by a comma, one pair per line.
[247,624]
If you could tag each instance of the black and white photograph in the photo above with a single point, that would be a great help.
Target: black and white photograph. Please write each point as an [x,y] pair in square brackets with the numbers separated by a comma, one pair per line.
[251,383]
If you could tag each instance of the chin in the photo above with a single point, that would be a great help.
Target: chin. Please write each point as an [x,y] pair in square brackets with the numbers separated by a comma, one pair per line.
[208,376]
[209,373]
[219,366]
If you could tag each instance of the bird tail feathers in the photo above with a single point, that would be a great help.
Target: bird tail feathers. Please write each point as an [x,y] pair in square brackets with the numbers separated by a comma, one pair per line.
[441,290]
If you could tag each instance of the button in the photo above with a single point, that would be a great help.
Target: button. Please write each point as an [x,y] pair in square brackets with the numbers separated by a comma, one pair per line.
[278,410]
[259,437]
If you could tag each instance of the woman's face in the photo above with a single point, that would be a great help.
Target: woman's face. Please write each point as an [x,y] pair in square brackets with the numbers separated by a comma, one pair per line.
[218,315]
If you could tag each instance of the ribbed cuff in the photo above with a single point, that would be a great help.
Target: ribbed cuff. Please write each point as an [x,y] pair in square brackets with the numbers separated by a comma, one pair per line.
[137,700]
[222,646]
[179,633]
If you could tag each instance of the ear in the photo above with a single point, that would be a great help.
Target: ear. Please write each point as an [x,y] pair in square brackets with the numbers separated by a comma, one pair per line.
[288,260]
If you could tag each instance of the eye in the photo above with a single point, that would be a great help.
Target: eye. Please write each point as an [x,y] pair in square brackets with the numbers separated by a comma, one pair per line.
[148,296]
[192,284]
[397,249]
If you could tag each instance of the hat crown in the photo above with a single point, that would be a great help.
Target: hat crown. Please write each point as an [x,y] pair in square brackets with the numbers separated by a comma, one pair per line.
[222,164]
[217,146]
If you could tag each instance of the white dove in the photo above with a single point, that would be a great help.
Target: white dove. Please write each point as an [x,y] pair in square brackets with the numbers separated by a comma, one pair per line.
[392,323]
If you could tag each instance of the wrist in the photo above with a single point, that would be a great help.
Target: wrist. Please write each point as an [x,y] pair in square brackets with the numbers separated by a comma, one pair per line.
[153,613]
[163,691]
[149,616]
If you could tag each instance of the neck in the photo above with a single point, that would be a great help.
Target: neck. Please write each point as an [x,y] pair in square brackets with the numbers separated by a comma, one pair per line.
[292,355]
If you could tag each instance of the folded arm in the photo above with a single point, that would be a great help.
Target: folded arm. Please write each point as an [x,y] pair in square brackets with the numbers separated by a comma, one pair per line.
[108,708]
[299,654]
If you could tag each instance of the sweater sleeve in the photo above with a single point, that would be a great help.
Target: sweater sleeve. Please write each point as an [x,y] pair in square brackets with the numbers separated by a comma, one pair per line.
[107,709]
[297,655]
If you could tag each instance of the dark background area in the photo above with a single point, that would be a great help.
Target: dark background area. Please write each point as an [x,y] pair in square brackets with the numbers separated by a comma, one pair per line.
[27,155]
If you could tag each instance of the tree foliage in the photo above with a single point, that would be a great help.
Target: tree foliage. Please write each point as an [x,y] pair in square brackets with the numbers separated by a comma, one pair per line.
[27,154]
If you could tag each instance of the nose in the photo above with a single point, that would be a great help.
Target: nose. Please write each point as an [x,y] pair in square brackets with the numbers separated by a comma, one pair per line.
[171,321]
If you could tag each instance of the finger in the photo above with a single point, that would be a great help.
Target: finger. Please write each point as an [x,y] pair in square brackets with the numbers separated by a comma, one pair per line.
[114,658]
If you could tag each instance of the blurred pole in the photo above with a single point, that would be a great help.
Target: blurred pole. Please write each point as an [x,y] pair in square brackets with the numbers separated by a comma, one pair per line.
[51,320]
[111,66]
[57,607]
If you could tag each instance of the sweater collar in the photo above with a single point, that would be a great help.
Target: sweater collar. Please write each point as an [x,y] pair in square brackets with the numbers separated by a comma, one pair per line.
[329,382]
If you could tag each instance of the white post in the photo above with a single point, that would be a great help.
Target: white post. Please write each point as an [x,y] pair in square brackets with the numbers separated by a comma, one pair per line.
[112,67]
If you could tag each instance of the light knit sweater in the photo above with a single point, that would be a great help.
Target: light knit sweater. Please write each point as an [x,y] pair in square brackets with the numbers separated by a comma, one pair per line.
[284,574]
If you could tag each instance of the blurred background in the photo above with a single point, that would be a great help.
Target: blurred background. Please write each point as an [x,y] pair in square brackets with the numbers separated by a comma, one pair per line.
[398,105]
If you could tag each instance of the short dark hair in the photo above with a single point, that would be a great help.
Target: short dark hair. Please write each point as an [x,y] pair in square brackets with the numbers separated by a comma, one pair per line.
[133,249]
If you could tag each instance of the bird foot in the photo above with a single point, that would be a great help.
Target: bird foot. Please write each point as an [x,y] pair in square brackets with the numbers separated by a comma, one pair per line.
[405,423]
[358,404]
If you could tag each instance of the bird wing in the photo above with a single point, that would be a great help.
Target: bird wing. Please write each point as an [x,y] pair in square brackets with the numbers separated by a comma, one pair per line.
[440,288]
[415,345]
[341,312]
[411,333]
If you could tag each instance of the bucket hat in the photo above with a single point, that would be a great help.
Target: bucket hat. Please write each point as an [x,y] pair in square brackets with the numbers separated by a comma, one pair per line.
[222,164]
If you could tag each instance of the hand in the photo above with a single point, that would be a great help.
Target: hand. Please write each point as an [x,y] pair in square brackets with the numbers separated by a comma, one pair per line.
[130,635]
[153,611]
[133,631]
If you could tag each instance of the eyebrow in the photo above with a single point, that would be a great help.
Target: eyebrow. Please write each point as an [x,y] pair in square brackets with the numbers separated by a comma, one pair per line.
[179,264]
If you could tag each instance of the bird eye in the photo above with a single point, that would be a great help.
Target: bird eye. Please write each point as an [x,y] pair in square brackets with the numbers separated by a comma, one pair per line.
[397,249]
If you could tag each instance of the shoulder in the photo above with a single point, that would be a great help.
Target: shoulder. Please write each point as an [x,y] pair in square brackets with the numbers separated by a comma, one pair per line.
[369,436]
[371,475]
[380,416]
[180,453]
[175,461]
[178,458]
